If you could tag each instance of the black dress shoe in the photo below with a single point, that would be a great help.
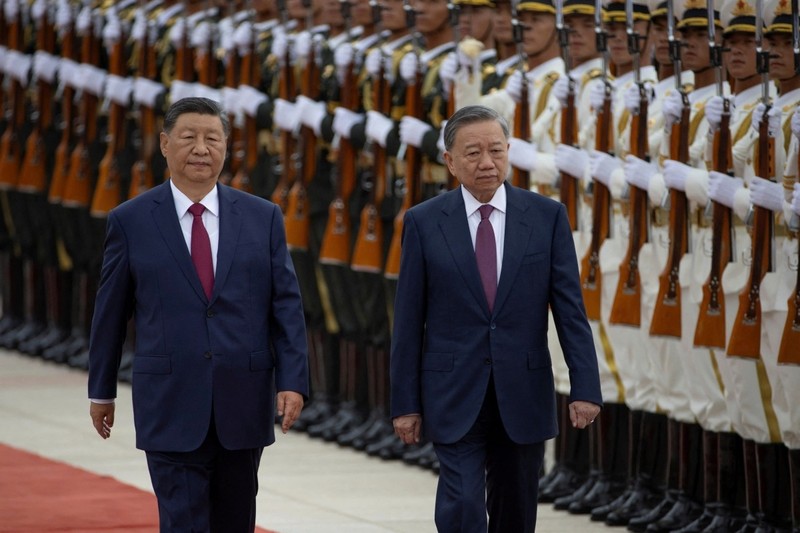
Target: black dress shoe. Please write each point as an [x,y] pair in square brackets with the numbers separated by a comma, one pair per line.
[12,339]
[325,428]
[563,503]
[428,456]
[381,429]
[80,360]
[389,443]
[603,492]
[394,450]
[683,513]
[699,524]
[599,514]
[8,322]
[61,352]
[565,482]
[640,501]
[348,417]
[640,523]
[725,520]
[416,453]
[347,438]
[547,479]
[319,410]
[49,337]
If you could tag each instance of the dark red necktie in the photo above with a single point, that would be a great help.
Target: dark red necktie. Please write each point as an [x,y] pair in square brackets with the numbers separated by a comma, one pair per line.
[486,255]
[201,250]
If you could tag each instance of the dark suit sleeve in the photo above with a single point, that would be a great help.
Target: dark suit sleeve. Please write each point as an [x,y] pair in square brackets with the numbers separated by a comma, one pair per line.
[113,308]
[569,314]
[288,330]
[409,324]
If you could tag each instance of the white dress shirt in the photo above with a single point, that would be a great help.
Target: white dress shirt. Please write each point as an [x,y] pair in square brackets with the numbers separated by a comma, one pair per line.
[210,218]
[497,218]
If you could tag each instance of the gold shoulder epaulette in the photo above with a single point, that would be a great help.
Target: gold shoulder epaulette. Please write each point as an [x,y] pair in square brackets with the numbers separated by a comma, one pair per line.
[488,69]
[687,87]
[590,75]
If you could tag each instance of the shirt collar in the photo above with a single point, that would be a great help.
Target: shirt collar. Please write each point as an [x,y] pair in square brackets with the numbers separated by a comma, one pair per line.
[183,203]
[471,204]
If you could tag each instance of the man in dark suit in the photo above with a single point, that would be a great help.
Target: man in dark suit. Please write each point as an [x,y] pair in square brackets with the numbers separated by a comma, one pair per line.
[205,272]
[481,265]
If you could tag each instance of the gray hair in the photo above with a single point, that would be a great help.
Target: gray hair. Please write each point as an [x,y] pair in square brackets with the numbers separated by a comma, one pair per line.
[470,115]
[196,104]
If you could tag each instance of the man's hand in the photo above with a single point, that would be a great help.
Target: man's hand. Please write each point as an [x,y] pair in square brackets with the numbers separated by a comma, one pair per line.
[408,428]
[290,404]
[581,413]
[102,418]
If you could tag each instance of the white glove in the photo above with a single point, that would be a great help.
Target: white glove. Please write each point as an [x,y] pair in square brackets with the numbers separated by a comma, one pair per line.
[561,89]
[230,99]
[302,45]
[697,186]
[119,89]
[675,174]
[722,188]
[514,86]
[572,161]
[602,165]
[632,97]
[250,99]
[146,92]
[285,115]
[672,108]
[243,37]
[638,172]
[796,123]
[767,194]
[344,120]
[796,195]
[45,66]
[714,107]
[280,43]
[440,140]
[412,130]
[447,71]
[378,127]
[522,154]
[200,36]
[342,58]
[597,95]
[408,67]
[773,120]
[311,112]
[373,62]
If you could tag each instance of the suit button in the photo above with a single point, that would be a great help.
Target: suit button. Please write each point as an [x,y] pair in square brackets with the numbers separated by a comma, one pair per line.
[487,361]
[209,313]
[207,355]
[493,326]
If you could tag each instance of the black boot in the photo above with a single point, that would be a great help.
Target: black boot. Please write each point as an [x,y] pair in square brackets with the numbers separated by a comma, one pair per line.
[794,477]
[774,489]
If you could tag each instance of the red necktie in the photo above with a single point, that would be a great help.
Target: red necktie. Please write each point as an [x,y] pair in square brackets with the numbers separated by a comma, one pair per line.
[201,250]
[486,255]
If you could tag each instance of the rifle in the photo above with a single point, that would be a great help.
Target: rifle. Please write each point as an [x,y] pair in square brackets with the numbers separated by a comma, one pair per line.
[77,188]
[591,278]
[297,223]
[286,91]
[454,11]
[32,178]
[627,306]
[788,353]
[10,145]
[522,112]
[107,193]
[142,174]
[368,250]
[336,241]
[710,330]
[667,313]
[65,145]
[569,193]
[745,338]
[413,157]
[245,137]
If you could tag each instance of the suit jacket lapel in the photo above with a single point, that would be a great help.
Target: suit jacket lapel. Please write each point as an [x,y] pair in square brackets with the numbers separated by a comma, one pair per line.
[455,228]
[518,233]
[166,220]
[230,222]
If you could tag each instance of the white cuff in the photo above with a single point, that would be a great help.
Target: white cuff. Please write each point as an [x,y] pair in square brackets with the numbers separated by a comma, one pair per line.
[146,92]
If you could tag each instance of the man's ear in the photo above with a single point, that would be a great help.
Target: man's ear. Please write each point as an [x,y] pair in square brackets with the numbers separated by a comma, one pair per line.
[448,159]
[163,141]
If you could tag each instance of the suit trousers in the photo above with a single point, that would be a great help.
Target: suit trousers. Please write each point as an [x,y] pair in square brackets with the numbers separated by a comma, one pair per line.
[484,472]
[210,489]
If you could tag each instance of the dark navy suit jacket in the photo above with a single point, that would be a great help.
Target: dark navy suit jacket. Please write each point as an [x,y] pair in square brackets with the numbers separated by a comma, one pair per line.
[446,343]
[191,353]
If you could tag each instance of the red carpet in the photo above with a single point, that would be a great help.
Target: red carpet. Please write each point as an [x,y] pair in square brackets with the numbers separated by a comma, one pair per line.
[40,495]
